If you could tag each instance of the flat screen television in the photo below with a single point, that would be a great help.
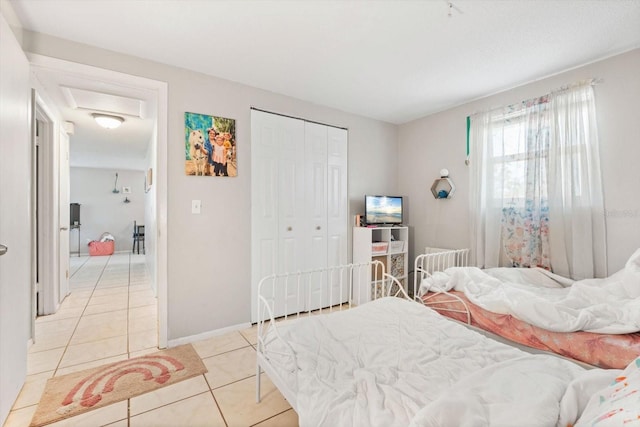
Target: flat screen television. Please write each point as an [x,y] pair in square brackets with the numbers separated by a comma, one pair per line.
[379,210]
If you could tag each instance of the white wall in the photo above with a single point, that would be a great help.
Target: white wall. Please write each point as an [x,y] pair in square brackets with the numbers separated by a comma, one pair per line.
[439,141]
[101,210]
[209,280]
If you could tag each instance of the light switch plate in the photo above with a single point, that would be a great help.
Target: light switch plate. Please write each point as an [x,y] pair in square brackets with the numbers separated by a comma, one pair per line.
[195,206]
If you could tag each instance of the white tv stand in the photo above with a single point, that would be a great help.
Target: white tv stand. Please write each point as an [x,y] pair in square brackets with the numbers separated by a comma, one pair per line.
[369,245]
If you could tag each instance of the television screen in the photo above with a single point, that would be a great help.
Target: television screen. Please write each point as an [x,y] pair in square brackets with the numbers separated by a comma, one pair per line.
[383,209]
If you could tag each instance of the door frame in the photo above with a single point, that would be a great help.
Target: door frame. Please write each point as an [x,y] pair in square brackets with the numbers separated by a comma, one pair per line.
[46,209]
[63,212]
[158,259]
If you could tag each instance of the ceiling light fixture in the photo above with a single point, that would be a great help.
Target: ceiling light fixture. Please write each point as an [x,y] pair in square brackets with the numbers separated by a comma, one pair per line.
[108,121]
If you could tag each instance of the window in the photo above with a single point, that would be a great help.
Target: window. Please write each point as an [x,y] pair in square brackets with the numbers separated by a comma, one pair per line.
[515,162]
[535,179]
[518,158]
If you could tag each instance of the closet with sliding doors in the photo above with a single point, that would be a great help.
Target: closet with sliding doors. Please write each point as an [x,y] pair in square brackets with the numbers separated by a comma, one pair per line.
[298,205]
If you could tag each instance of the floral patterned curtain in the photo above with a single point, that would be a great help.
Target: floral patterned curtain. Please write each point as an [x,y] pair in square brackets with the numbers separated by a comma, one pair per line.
[535,184]
[525,235]
[525,212]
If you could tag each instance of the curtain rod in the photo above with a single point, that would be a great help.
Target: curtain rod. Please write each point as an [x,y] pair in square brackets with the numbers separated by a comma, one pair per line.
[298,118]
[591,82]
[586,82]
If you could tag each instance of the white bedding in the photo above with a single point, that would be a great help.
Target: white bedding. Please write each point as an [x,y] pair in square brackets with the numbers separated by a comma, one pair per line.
[610,305]
[393,362]
[533,391]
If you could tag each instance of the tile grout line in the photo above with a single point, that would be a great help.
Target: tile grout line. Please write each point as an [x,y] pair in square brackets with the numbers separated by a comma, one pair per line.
[225,352]
[271,417]
[232,382]
[79,268]
[174,401]
[224,420]
[66,347]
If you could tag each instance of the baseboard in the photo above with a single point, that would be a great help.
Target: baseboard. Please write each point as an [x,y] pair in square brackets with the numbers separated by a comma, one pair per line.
[209,334]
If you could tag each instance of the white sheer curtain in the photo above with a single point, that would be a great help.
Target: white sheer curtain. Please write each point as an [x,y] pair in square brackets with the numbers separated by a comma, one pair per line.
[536,192]
[485,234]
[576,205]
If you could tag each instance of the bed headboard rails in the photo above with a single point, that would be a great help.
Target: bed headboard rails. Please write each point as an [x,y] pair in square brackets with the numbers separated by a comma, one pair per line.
[326,289]
[432,261]
[437,259]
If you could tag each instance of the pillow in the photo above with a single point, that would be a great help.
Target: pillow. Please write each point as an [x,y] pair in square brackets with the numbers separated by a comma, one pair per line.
[618,404]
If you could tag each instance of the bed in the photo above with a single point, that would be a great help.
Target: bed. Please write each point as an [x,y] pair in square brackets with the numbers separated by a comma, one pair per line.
[444,282]
[396,362]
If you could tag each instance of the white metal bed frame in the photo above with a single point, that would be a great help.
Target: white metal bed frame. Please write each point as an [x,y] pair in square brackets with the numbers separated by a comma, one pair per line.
[347,277]
[433,261]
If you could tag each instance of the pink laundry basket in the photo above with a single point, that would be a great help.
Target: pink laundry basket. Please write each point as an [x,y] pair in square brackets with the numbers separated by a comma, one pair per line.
[101,248]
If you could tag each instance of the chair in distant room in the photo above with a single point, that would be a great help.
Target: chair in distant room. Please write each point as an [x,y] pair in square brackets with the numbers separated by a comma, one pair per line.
[138,236]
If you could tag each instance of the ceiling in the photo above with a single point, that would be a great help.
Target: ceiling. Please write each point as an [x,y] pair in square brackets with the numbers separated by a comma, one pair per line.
[391,60]
[78,93]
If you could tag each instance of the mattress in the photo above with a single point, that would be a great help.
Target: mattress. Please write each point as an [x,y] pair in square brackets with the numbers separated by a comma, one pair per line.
[603,350]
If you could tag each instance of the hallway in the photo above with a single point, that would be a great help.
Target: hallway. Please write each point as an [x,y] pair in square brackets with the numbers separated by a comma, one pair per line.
[111,311]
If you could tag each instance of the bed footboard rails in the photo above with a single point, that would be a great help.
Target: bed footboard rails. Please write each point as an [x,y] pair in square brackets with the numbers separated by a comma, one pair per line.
[435,260]
[306,293]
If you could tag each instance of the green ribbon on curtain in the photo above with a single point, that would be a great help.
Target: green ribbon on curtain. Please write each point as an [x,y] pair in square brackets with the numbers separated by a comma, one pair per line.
[468,130]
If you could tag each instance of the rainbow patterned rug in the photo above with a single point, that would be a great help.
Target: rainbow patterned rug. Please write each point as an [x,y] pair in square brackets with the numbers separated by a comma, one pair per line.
[78,392]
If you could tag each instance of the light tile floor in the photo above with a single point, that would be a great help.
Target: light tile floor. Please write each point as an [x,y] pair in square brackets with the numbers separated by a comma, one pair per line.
[111,315]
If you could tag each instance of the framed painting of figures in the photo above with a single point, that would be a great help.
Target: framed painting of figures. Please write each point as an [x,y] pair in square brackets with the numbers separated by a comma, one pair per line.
[209,145]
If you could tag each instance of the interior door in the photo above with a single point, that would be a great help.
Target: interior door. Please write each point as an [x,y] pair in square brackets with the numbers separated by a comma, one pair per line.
[316,210]
[337,208]
[277,149]
[292,227]
[15,226]
[63,206]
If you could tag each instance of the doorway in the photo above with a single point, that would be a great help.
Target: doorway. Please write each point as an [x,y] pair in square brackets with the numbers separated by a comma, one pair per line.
[53,173]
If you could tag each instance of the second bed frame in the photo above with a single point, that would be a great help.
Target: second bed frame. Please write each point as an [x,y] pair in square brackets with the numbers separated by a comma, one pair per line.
[435,260]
